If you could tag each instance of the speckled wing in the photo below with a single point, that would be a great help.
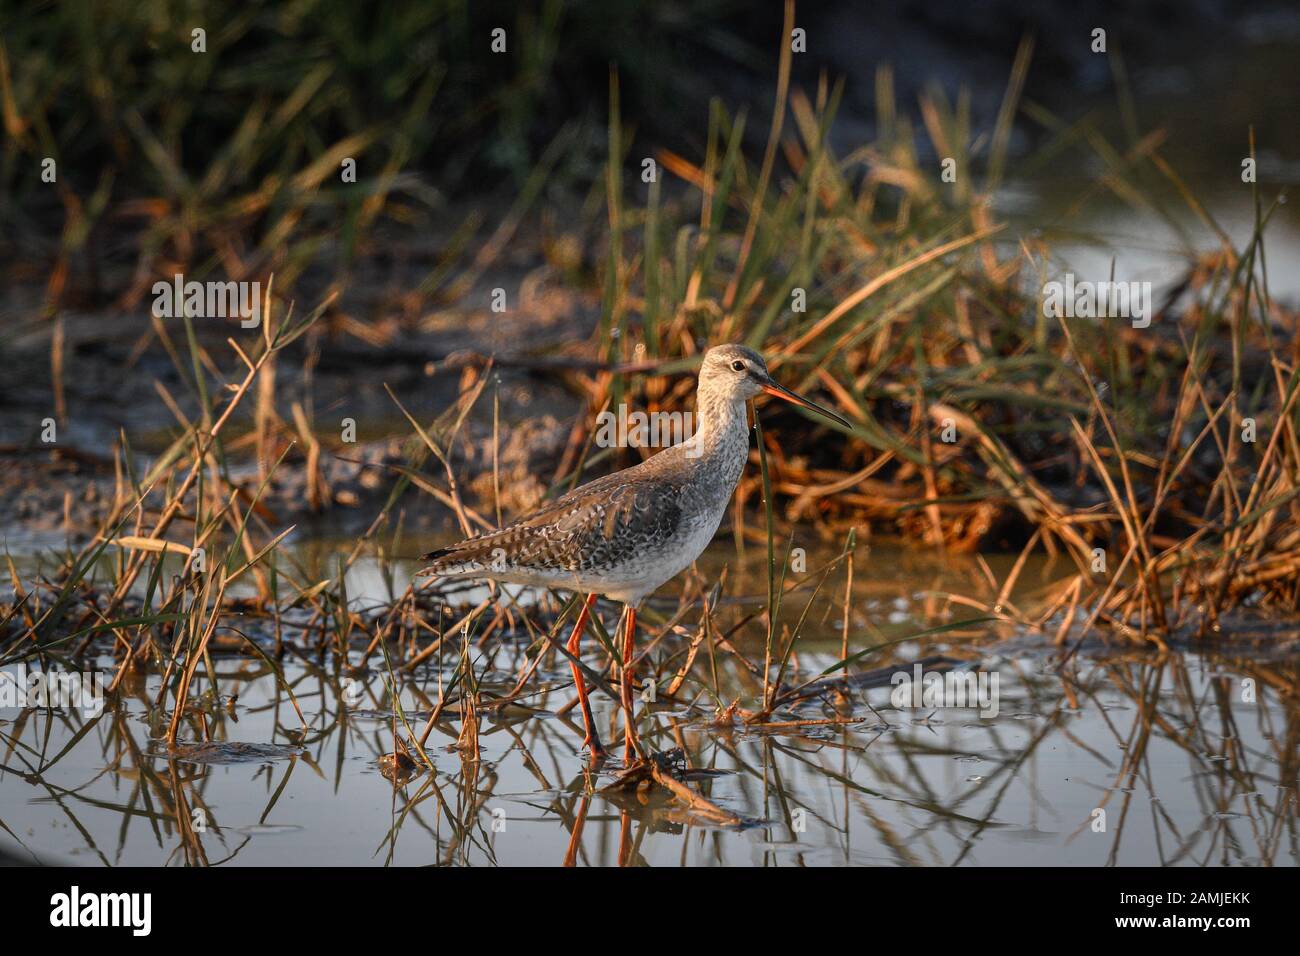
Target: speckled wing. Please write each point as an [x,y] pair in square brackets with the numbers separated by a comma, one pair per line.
[594,528]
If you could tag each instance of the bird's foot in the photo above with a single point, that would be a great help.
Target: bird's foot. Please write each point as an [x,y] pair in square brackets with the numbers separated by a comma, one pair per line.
[595,749]
[632,753]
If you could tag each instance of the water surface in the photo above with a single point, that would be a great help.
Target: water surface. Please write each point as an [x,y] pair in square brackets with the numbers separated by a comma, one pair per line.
[1188,769]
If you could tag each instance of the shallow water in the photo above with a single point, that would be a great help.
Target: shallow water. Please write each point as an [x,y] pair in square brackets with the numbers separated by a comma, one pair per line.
[1186,771]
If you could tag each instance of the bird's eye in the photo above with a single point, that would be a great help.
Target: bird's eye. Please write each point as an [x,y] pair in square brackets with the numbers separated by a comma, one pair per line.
[738,365]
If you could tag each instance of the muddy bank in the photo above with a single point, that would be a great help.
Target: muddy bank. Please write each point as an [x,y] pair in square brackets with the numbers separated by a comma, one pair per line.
[76,386]
[49,498]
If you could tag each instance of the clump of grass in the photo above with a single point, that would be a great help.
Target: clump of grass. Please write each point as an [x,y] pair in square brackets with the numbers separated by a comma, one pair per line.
[157,613]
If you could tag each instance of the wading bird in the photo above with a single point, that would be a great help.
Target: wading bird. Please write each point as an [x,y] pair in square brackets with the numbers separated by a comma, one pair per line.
[626,534]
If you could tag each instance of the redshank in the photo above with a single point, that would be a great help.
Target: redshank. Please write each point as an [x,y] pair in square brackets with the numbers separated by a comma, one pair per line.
[626,534]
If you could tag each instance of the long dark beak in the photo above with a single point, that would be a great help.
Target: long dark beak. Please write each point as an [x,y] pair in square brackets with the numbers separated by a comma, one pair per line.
[780,391]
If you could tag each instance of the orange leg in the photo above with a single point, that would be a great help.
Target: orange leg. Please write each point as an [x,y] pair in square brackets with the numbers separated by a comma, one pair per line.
[575,641]
[631,744]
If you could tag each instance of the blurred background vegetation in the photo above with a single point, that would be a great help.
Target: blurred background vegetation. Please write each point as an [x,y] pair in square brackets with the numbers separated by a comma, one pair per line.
[238,150]
[229,161]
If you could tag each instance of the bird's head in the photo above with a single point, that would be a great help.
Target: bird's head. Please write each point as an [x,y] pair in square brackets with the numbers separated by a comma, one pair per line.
[739,373]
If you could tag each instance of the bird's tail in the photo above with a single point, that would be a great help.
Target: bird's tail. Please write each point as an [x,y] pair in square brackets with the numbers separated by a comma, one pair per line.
[475,557]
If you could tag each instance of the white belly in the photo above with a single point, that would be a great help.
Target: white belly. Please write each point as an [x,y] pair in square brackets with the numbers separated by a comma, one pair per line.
[643,574]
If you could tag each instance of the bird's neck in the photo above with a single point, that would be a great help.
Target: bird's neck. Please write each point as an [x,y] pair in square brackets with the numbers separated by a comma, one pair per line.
[722,431]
